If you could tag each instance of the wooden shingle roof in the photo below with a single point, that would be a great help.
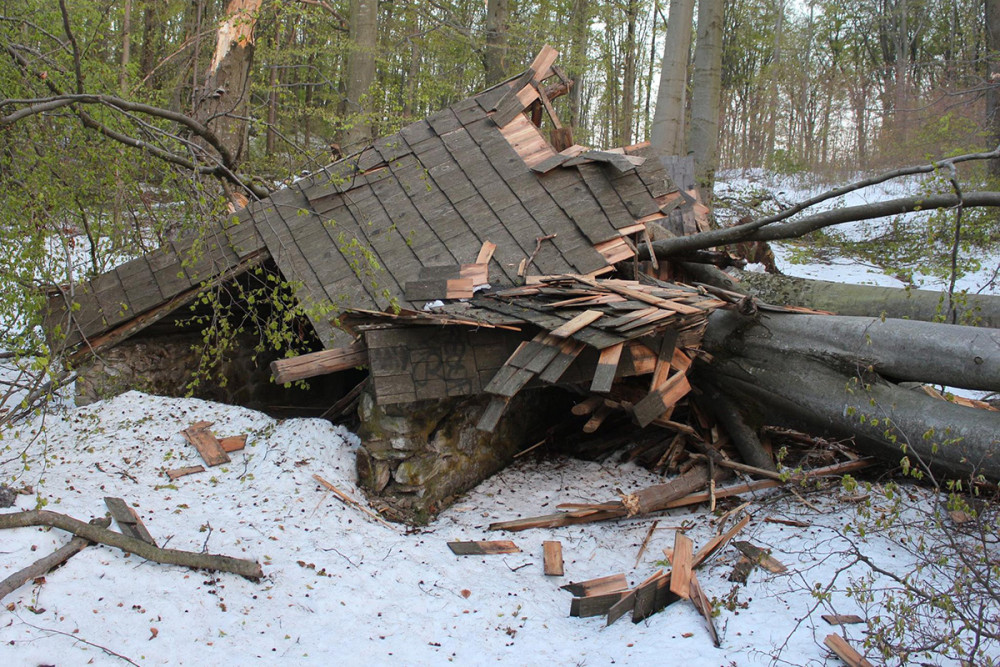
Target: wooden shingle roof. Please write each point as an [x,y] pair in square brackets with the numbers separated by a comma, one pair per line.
[356,232]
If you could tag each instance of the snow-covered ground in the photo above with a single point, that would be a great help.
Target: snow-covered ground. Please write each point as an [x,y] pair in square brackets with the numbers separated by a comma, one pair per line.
[341,588]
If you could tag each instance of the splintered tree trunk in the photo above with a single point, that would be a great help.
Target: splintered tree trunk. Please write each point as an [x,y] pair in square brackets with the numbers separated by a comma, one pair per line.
[223,102]
[667,136]
[839,375]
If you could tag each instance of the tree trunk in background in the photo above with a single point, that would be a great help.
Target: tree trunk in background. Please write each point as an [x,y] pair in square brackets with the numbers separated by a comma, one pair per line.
[772,112]
[126,48]
[992,8]
[667,136]
[151,38]
[360,73]
[624,134]
[223,103]
[495,53]
[579,33]
[706,87]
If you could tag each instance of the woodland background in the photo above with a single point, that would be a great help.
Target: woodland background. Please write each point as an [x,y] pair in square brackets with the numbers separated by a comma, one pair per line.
[102,158]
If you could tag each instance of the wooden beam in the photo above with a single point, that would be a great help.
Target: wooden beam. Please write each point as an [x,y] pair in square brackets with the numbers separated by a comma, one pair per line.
[323,362]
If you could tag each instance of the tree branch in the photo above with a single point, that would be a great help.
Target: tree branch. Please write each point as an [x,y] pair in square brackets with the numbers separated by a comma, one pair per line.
[244,568]
[754,232]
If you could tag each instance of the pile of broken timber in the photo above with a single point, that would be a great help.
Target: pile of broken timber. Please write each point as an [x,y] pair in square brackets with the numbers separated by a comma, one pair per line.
[656,327]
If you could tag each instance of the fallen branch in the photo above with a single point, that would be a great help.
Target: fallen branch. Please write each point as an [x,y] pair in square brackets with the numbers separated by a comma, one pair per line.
[754,231]
[202,561]
[50,562]
[655,499]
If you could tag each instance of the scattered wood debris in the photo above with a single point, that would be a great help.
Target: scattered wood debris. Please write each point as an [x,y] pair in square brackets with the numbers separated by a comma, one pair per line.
[206,443]
[128,520]
[484,548]
[761,557]
[845,651]
[177,473]
[553,558]
[842,619]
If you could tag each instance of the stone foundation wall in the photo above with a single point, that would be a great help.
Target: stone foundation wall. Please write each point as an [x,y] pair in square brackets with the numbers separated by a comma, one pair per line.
[418,456]
[163,365]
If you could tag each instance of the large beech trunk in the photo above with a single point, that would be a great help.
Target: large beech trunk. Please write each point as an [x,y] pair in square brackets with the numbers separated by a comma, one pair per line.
[838,375]
[983,310]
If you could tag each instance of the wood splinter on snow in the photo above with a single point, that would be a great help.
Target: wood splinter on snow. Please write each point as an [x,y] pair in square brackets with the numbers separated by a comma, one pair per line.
[845,651]
[553,558]
[347,500]
[483,548]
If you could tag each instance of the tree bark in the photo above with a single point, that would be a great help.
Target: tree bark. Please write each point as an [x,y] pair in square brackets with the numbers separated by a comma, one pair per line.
[223,103]
[244,568]
[667,134]
[360,74]
[828,374]
[923,305]
[495,53]
[706,87]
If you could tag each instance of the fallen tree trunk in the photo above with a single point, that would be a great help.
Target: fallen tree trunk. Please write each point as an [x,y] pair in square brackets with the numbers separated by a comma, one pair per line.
[203,561]
[829,374]
[863,300]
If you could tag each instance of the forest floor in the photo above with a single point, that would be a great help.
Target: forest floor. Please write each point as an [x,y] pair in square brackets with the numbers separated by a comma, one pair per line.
[340,587]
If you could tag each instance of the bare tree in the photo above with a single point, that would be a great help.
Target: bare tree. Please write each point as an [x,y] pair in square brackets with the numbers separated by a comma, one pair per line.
[360,72]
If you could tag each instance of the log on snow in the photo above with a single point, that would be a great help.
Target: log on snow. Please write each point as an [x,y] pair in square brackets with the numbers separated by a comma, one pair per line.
[203,561]
[50,562]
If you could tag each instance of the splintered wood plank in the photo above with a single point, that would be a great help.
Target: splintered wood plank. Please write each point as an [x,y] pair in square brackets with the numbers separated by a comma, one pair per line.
[553,558]
[234,443]
[663,359]
[492,414]
[622,607]
[718,542]
[845,651]
[323,362]
[206,443]
[842,619]
[614,583]
[177,473]
[429,290]
[542,64]
[582,320]
[680,575]
[568,353]
[761,557]
[483,548]
[595,605]
[486,252]
[704,607]
[128,521]
[661,399]
[651,597]
[607,366]
[615,250]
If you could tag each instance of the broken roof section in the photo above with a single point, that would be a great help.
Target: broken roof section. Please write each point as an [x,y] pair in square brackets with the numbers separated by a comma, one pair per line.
[356,233]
